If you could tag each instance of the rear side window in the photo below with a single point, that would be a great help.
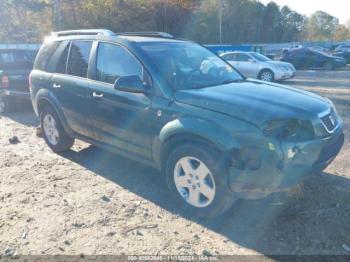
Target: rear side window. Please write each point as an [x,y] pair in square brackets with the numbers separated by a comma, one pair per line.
[230,57]
[242,57]
[7,57]
[114,61]
[21,56]
[44,55]
[78,59]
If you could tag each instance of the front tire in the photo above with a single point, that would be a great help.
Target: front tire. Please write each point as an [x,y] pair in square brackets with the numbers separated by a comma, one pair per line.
[198,180]
[53,132]
[266,75]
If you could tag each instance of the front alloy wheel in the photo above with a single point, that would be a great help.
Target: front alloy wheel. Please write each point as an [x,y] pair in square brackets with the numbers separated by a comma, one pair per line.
[194,181]
[197,177]
[266,76]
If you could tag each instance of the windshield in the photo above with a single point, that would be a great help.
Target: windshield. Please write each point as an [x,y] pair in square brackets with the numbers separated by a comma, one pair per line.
[187,65]
[260,57]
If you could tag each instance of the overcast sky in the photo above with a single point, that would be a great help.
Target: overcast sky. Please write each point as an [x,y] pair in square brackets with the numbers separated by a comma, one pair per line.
[337,8]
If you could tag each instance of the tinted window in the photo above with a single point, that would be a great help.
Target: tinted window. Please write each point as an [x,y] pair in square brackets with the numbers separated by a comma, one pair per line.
[62,61]
[21,56]
[229,57]
[114,61]
[7,57]
[44,55]
[242,57]
[78,59]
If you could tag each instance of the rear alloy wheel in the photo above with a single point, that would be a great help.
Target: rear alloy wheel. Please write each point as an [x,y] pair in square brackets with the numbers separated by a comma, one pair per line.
[266,75]
[198,180]
[53,132]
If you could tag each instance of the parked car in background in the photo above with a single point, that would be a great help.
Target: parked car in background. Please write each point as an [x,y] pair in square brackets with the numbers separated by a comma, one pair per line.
[320,49]
[344,54]
[342,48]
[255,65]
[15,66]
[176,106]
[292,47]
[304,58]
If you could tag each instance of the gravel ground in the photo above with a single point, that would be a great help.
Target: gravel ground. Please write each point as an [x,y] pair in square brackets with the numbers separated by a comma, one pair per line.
[90,201]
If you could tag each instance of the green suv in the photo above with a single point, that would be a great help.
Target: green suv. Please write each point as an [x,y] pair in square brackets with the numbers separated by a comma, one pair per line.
[174,105]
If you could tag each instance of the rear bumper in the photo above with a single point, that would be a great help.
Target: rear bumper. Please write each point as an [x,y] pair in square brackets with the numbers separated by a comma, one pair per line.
[13,93]
[287,165]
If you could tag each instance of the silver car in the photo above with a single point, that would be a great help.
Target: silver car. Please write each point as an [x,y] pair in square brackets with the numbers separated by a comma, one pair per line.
[255,65]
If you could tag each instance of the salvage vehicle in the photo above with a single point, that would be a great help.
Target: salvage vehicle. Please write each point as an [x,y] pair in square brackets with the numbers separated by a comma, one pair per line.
[15,66]
[174,105]
[307,58]
[255,65]
[343,54]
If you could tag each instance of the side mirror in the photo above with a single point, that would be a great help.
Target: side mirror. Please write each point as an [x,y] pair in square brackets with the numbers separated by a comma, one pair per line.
[251,60]
[132,84]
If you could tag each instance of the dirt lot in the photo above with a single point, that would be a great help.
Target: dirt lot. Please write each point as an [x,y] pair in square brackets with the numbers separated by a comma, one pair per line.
[94,202]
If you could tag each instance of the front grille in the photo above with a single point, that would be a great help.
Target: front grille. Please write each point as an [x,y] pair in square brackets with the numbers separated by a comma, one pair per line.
[330,121]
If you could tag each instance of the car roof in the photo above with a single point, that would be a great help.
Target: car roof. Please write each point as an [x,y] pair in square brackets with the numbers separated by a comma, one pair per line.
[149,39]
[103,34]
[13,49]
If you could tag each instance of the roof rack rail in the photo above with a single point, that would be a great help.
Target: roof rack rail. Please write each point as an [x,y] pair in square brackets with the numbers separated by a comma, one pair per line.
[84,32]
[149,34]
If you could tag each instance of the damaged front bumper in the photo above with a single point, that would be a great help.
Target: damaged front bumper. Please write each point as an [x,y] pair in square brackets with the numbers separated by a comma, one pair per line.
[283,165]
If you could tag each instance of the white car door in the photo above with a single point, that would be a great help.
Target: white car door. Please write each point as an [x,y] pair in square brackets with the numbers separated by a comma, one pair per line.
[248,66]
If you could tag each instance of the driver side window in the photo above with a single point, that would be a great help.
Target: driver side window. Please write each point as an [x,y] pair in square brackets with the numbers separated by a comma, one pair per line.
[114,61]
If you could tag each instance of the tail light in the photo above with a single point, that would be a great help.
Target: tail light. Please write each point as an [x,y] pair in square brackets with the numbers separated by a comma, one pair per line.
[5,81]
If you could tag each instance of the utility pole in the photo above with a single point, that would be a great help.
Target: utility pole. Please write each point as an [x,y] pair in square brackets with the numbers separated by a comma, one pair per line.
[56,5]
[220,21]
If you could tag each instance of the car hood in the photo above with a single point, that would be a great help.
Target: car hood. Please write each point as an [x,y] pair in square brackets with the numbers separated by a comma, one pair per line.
[255,101]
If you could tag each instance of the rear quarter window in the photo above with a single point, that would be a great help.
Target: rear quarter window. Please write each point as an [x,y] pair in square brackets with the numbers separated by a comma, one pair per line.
[45,54]
[78,58]
[6,57]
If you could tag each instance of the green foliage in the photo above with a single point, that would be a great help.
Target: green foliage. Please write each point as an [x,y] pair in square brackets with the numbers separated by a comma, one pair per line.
[321,26]
[243,21]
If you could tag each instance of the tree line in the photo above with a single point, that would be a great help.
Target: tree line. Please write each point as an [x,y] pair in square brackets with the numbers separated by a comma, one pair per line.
[239,21]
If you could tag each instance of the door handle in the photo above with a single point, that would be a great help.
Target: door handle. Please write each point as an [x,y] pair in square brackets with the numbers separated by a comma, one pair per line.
[97,95]
[56,85]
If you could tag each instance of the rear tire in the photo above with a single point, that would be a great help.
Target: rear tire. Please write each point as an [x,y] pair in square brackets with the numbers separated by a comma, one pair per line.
[53,132]
[198,180]
[266,75]
[4,105]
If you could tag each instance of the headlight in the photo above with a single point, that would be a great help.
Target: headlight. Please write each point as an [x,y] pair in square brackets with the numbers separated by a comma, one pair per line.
[331,104]
[289,129]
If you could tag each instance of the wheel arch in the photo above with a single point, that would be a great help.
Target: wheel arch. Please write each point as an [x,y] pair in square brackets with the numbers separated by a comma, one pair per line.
[45,98]
[188,130]
[266,69]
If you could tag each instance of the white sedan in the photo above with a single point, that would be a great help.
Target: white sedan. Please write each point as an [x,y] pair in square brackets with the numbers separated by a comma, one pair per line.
[255,65]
